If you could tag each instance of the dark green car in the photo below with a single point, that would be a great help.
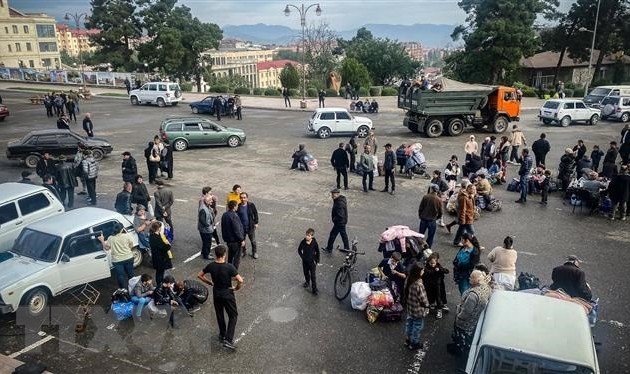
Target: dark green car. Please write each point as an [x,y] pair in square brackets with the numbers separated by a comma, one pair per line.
[187,132]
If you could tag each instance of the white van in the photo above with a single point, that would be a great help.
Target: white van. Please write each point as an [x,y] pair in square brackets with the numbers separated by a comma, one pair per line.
[22,204]
[598,94]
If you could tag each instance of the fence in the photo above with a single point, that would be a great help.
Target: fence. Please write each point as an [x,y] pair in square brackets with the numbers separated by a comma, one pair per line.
[98,78]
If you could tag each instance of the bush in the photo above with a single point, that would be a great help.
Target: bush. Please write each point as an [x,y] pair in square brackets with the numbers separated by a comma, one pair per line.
[218,89]
[569,92]
[342,92]
[601,82]
[578,92]
[375,90]
[569,85]
[242,91]
[389,91]
[520,85]
[331,93]
[363,91]
[185,86]
[311,92]
[294,92]
[258,91]
[529,92]
[272,92]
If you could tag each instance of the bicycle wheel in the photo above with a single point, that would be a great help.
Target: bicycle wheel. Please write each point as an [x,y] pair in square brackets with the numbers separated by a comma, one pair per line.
[342,283]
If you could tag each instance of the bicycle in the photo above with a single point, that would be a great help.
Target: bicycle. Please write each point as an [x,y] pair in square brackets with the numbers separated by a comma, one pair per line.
[343,279]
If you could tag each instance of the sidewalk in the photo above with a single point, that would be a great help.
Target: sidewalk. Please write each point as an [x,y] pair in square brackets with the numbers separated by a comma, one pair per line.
[387,104]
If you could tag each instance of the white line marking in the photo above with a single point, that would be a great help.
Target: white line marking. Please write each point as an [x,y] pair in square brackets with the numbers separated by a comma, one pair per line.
[304,218]
[93,350]
[182,200]
[32,346]
[528,253]
[192,257]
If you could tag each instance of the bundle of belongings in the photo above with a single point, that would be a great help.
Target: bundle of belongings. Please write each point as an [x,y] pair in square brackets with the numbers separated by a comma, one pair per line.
[591,307]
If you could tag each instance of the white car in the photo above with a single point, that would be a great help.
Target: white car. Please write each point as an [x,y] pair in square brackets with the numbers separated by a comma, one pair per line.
[56,254]
[160,93]
[328,121]
[617,108]
[566,111]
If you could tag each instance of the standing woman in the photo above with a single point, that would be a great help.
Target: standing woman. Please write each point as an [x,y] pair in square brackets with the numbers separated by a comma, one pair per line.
[504,154]
[351,148]
[160,251]
[416,306]
[503,264]
[471,147]
[465,261]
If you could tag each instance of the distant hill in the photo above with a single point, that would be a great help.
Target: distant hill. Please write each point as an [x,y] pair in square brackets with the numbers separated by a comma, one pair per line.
[428,35]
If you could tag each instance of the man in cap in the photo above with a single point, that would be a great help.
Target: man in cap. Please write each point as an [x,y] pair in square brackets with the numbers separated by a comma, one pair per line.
[429,211]
[340,220]
[90,173]
[571,279]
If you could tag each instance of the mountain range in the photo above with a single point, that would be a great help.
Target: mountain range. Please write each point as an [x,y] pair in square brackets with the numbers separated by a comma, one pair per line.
[428,35]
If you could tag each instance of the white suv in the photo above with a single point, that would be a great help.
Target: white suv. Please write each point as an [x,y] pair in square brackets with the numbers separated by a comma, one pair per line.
[617,108]
[160,93]
[327,121]
[566,111]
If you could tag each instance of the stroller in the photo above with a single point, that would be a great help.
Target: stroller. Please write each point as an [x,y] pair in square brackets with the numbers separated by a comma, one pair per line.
[416,163]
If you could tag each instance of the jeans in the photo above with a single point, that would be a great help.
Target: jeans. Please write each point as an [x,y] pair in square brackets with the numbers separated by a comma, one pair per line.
[143,240]
[431,226]
[141,301]
[206,243]
[338,229]
[413,328]
[463,285]
[524,187]
[234,253]
[342,172]
[310,276]
[389,176]
[91,189]
[123,269]
[370,175]
[463,227]
[227,304]
[251,234]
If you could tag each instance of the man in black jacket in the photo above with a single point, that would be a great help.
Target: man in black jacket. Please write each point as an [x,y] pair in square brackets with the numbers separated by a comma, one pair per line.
[570,278]
[340,220]
[339,160]
[217,105]
[540,148]
[88,125]
[610,161]
[123,200]
[309,253]
[66,180]
[45,165]
[248,214]
[233,233]
[129,167]
[389,166]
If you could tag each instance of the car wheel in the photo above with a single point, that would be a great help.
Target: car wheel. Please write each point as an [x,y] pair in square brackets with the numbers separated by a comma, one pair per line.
[233,141]
[36,301]
[135,101]
[323,132]
[180,145]
[137,257]
[594,119]
[625,117]
[434,128]
[500,125]
[31,160]
[455,127]
[362,131]
[565,121]
[161,103]
[546,121]
[195,110]
[98,154]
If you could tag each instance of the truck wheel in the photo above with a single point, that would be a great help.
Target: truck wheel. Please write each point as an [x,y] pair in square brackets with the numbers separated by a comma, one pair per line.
[455,127]
[500,125]
[36,301]
[433,128]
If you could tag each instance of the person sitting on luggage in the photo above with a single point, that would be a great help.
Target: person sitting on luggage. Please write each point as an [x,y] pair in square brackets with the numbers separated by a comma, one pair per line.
[496,172]
[366,106]
[298,156]
[484,189]
[594,187]
[392,269]
[571,279]
[192,294]
[359,106]
[142,292]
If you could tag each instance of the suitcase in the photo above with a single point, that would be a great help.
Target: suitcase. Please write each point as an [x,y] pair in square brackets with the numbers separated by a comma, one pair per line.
[514,185]
[391,314]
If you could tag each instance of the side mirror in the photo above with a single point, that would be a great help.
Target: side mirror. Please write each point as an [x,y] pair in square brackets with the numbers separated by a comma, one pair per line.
[65,258]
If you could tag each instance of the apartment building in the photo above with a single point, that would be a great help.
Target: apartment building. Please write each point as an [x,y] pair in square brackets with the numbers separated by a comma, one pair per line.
[27,39]
[414,50]
[232,61]
[269,72]
[74,41]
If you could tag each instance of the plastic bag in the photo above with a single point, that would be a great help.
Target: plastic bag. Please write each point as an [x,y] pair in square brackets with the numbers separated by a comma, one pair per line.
[155,311]
[372,313]
[123,310]
[359,294]
[382,298]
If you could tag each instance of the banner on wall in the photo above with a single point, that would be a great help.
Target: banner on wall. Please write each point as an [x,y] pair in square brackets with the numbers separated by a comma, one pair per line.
[58,76]
[119,79]
[105,78]
[89,77]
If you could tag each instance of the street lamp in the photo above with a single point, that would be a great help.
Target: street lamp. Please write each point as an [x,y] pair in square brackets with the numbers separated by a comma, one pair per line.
[590,59]
[303,10]
[77,20]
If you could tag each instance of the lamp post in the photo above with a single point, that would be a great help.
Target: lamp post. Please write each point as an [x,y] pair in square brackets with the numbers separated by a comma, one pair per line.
[590,59]
[77,20]
[303,10]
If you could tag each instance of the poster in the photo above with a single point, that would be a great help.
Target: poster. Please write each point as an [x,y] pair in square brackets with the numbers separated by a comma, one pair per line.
[4,73]
[89,77]
[15,74]
[105,78]
[119,79]
[58,76]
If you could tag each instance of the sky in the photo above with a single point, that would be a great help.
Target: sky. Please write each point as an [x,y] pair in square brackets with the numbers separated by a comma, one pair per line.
[341,15]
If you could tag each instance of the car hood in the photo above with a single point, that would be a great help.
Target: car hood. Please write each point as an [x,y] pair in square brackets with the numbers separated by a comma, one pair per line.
[96,141]
[363,120]
[14,143]
[15,268]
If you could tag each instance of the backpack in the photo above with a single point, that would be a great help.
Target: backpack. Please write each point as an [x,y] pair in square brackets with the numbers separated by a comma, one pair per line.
[132,283]
[495,205]
[528,281]
[606,206]
[514,185]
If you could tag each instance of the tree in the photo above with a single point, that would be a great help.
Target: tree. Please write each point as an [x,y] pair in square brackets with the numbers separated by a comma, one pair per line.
[320,41]
[289,76]
[118,25]
[355,73]
[498,33]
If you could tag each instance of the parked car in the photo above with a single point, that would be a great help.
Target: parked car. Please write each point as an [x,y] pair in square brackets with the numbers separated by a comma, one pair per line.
[57,253]
[4,112]
[526,333]
[328,121]
[566,111]
[598,94]
[22,204]
[205,106]
[160,93]
[187,132]
[56,142]
[617,108]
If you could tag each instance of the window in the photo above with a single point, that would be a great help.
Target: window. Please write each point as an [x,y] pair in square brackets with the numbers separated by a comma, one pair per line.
[10,48]
[174,127]
[8,212]
[342,115]
[326,116]
[191,127]
[569,105]
[106,228]
[31,63]
[25,29]
[37,245]
[29,47]
[208,126]
[67,140]
[161,87]
[45,31]
[82,243]
[34,203]
[626,102]
[46,139]
[6,29]
[580,106]
[48,47]
[15,29]
[18,47]
[153,87]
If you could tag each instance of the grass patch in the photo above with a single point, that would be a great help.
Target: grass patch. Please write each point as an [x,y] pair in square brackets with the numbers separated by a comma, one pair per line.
[30,89]
[113,94]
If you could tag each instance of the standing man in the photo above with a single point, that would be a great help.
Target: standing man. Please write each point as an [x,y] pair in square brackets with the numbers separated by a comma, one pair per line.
[67,181]
[465,212]
[123,200]
[129,167]
[127,85]
[309,253]
[609,168]
[78,167]
[163,203]
[121,247]
[340,220]
[88,125]
[26,177]
[322,97]
[166,161]
[348,92]
[429,211]
[238,105]
[367,165]
[339,161]
[218,106]
[624,149]
[90,172]
[248,214]
[45,166]
[540,148]
[233,233]
[579,149]
[518,139]
[389,164]
[221,276]
[523,172]
[205,225]
[287,99]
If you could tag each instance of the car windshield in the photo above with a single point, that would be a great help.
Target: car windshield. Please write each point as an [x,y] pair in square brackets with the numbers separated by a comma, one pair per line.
[37,245]
[599,91]
[610,100]
[551,104]
[494,360]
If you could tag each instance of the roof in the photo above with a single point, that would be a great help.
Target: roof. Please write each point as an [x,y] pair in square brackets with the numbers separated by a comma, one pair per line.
[276,64]
[11,190]
[51,131]
[15,13]
[538,325]
[331,109]
[550,60]
[62,27]
[76,219]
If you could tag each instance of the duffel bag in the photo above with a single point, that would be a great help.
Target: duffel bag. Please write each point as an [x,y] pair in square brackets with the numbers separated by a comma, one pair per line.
[514,185]
[393,313]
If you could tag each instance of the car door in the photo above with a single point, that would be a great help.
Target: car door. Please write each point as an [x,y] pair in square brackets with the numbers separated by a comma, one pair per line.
[568,109]
[36,207]
[582,113]
[82,260]
[68,144]
[344,122]
[212,133]
[205,105]
[10,225]
[151,93]
[48,143]
[327,119]
[192,132]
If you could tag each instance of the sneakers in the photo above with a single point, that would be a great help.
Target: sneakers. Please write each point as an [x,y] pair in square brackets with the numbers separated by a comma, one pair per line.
[438,314]
[229,345]
[255,256]
[306,285]
[384,190]
[445,309]
[415,347]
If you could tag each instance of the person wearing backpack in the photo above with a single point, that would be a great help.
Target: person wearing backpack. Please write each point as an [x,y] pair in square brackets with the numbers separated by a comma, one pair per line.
[465,260]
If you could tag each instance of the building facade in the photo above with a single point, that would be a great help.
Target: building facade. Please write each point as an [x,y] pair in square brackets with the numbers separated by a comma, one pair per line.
[27,39]
[74,41]
[227,62]
[269,72]
[414,50]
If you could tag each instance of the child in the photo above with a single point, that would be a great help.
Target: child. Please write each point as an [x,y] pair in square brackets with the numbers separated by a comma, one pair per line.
[415,300]
[433,279]
[544,187]
[309,253]
[596,156]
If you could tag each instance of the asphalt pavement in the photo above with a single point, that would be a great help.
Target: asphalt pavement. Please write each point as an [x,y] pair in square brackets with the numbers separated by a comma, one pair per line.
[282,327]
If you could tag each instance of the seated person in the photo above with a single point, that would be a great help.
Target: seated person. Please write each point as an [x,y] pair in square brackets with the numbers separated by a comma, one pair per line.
[366,105]
[359,106]
[424,84]
[437,87]
[571,279]
[353,106]
[393,270]
[192,293]
[592,185]
[164,297]
[298,156]
[373,107]
[142,292]
[585,164]
[537,179]
[484,189]
[496,172]
[472,165]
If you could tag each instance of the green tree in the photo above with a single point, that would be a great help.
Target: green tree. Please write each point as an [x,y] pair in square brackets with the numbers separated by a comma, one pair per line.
[356,73]
[118,25]
[289,76]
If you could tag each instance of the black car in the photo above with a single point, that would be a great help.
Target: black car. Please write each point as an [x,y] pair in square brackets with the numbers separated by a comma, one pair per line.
[56,142]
